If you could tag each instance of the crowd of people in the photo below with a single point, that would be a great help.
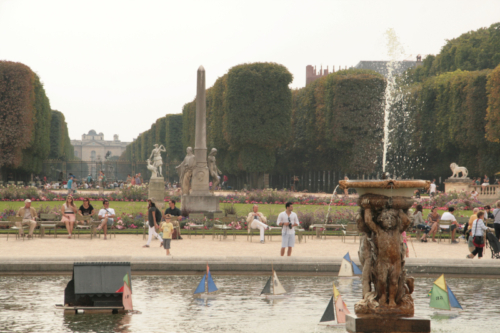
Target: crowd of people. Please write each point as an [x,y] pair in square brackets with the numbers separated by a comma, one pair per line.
[473,231]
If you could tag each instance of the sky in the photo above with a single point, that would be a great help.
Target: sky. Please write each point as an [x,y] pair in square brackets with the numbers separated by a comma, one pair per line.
[117,66]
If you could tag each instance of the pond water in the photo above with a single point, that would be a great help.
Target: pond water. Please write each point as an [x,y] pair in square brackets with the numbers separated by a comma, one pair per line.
[166,304]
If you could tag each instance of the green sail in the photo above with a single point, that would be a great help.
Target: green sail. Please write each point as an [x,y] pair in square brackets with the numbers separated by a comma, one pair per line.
[439,298]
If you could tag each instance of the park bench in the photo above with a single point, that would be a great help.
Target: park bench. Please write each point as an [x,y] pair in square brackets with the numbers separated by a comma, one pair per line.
[322,228]
[444,227]
[48,221]
[13,220]
[86,224]
[220,230]
[351,229]
[197,218]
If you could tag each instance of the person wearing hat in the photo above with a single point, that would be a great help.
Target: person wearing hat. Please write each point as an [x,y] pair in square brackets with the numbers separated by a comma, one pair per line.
[154,217]
[29,216]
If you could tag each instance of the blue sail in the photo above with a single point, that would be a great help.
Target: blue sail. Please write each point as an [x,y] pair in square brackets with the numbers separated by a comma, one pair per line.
[211,284]
[355,269]
[347,257]
[201,286]
[453,300]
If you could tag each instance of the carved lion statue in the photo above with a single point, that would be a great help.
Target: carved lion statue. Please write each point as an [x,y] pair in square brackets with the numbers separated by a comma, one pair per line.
[456,170]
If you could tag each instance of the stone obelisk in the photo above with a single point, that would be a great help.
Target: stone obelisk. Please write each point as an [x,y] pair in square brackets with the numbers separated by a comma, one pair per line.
[200,200]
[199,184]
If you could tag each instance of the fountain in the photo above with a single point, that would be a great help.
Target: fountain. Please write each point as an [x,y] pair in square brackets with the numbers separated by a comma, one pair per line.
[387,305]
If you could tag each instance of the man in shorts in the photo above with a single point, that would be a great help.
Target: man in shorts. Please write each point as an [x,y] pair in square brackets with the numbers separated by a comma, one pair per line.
[107,217]
[288,220]
[448,216]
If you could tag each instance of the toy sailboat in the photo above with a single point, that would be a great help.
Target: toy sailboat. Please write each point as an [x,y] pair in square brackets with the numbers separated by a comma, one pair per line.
[348,268]
[336,306]
[206,286]
[273,288]
[442,298]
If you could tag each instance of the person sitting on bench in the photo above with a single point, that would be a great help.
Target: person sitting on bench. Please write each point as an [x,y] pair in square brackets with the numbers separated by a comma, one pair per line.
[257,220]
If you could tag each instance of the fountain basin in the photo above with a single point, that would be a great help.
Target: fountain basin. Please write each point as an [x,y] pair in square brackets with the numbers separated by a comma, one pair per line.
[387,187]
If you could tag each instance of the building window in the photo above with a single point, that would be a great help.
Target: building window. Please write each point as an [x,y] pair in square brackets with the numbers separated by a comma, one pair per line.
[92,155]
[76,153]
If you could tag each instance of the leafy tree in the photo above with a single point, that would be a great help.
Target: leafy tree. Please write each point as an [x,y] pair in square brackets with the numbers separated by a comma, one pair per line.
[17,97]
[493,111]
[257,115]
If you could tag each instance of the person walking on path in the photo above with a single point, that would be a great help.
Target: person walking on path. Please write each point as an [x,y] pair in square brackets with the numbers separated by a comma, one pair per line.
[448,216]
[478,229]
[468,226]
[29,216]
[496,224]
[69,185]
[257,220]
[287,220]
[167,228]
[154,217]
[433,219]
[107,217]
[68,211]
[432,188]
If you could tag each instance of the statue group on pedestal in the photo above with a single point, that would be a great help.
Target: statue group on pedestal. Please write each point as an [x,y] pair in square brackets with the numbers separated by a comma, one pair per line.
[186,168]
[155,168]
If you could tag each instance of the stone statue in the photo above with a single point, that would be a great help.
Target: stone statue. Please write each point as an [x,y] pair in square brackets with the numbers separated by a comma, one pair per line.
[151,168]
[456,170]
[382,219]
[213,169]
[157,161]
[185,171]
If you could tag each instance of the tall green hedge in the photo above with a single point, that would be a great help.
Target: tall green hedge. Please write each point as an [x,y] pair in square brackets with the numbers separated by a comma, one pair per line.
[337,123]
[60,144]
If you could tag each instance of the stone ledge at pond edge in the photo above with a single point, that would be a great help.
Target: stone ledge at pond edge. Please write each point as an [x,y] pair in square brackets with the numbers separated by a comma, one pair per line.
[241,264]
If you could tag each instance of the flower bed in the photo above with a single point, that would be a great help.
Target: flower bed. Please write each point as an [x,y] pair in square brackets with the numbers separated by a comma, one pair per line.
[460,201]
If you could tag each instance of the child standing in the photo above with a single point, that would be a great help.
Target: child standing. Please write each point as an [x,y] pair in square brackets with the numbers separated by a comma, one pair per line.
[167,228]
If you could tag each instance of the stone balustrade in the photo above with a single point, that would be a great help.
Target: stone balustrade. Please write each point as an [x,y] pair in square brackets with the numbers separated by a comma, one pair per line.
[488,191]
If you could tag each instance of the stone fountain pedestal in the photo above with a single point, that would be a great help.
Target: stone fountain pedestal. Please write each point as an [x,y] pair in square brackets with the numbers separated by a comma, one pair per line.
[387,305]
[375,324]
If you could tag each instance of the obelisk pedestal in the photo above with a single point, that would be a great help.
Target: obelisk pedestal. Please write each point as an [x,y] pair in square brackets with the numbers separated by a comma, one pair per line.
[200,199]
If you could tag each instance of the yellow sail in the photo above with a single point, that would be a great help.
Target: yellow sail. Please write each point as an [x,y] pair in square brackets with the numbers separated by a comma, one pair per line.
[441,283]
[336,293]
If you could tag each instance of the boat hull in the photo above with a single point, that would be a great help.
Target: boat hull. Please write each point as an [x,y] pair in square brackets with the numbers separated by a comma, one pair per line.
[276,296]
[90,309]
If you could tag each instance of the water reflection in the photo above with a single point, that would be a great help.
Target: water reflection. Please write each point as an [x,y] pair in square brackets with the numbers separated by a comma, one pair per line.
[167,304]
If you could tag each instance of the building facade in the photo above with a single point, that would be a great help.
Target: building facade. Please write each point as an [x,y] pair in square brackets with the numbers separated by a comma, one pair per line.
[93,147]
[312,75]
[398,67]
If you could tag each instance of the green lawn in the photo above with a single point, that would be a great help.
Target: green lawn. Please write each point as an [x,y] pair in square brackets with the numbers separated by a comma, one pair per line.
[241,209]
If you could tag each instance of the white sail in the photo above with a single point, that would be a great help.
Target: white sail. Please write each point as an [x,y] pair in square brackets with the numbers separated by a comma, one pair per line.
[345,268]
[277,287]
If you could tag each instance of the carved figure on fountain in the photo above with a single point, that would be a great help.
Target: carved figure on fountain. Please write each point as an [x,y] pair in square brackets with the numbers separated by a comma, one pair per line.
[382,219]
